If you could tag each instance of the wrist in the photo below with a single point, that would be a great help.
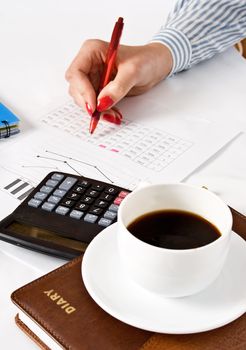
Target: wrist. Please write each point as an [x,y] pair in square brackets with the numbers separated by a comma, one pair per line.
[179,46]
[162,56]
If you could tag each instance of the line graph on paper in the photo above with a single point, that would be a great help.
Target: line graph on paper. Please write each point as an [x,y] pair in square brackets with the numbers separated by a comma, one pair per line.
[122,155]
[163,149]
[23,173]
[66,160]
[21,188]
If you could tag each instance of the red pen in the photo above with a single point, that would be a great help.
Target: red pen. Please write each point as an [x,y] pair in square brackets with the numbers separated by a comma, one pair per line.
[108,67]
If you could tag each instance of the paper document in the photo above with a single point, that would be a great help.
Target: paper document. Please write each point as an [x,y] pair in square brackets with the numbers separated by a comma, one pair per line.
[159,148]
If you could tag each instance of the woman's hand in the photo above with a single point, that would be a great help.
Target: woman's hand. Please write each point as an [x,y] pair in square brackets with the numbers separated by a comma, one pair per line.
[138,69]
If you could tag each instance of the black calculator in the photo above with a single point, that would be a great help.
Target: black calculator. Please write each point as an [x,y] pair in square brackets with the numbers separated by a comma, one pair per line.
[63,214]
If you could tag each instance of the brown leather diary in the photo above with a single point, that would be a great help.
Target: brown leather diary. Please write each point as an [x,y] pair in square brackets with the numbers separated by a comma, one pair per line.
[59,303]
[57,313]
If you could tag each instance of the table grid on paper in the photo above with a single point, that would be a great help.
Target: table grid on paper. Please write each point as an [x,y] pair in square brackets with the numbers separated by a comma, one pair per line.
[146,146]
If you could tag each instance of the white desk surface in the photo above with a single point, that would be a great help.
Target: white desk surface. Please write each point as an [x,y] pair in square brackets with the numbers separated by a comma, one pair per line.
[39,39]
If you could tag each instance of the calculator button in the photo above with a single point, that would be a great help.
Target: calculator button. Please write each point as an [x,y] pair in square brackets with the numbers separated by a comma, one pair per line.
[40,195]
[46,189]
[57,177]
[68,203]
[118,200]
[59,193]
[98,187]
[111,190]
[104,222]
[54,199]
[84,183]
[113,207]
[79,189]
[87,200]
[123,194]
[74,196]
[76,214]
[52,183]
[106,197]
[67,183]
[110,215]
[62,210]
[90,218]
[82,206]
[34,203]
[101,204]
[92,193]
[48,206]
[96,211]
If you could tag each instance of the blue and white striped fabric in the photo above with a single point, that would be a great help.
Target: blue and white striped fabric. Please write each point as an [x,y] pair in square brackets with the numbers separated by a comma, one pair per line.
[198,29]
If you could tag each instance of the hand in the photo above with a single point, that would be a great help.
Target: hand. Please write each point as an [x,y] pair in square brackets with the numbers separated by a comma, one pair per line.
[138,68]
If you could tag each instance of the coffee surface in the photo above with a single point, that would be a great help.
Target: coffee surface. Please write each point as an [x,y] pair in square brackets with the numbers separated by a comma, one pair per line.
[174,229]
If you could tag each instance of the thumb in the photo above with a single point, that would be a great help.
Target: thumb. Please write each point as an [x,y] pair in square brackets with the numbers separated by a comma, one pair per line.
[116,89]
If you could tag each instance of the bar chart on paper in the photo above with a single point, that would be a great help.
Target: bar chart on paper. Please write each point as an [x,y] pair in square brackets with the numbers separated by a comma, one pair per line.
[18,188]
[167,149]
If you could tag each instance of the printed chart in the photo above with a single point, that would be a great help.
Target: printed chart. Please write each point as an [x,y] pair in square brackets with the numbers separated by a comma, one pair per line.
[23,173]
[149,147]
[163,149]
[18,188]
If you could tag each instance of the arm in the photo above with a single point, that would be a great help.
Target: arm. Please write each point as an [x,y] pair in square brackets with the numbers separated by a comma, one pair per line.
[195,30]
[198,29]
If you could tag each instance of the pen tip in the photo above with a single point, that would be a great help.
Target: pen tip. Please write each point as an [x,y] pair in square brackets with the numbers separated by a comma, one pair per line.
[94,121]
[92,127]
[120,19]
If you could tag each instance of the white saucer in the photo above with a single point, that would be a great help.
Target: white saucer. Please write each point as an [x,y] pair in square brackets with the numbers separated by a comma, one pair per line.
[222,302]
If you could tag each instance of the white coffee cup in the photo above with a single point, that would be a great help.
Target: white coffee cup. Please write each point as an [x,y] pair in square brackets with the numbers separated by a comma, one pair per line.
[171,272]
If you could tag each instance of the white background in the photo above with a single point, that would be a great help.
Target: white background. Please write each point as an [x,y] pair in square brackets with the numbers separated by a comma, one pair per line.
[38,40]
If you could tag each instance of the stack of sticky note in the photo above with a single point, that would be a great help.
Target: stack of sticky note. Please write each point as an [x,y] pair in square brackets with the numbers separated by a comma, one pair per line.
[9,122]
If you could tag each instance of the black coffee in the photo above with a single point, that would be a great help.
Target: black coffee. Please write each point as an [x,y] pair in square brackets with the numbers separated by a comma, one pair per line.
[174,229]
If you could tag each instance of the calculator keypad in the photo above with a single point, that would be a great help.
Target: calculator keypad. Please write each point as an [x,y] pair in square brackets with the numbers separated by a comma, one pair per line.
[48,206]
[35,203]
[76,214]
[62,210]
[54,199]
[89,200]
[59,193]
[104,222]
[46,189]
[57,177]
[40,195]
[67,183]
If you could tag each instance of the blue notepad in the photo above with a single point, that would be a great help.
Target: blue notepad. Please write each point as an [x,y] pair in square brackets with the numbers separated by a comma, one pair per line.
[7,116]
[9,122]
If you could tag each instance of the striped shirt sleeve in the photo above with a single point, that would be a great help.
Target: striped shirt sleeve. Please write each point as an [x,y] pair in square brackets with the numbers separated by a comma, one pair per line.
[198,29]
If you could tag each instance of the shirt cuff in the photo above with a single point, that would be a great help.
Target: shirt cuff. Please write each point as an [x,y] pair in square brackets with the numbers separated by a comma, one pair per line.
[178,44]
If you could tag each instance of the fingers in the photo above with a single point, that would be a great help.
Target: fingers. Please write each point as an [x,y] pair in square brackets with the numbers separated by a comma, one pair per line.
[113,116]
[138,68]
[82,92]
[83,72]
[116,89]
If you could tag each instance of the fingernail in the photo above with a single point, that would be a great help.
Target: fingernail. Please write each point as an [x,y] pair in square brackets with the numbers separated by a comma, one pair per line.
[119,113]
[89,109]
[104,103]
[112,119]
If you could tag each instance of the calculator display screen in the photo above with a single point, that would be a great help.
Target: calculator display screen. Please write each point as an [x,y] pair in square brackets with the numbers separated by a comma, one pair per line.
[45,235]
